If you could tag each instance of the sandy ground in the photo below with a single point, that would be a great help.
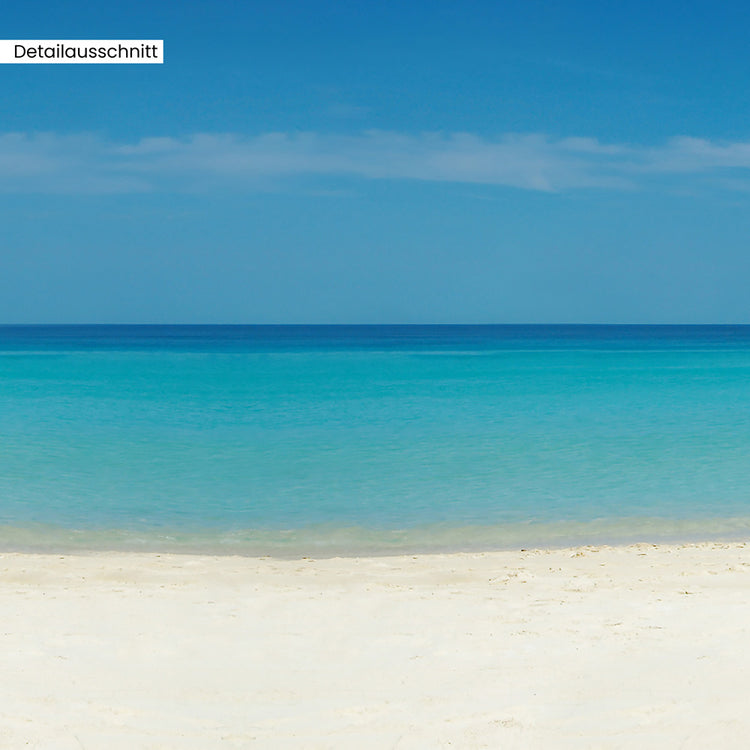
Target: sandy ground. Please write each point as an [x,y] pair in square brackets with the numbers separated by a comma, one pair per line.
[641,646]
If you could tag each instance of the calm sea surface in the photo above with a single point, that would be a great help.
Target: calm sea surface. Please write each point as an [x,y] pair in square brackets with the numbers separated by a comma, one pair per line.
[346,439]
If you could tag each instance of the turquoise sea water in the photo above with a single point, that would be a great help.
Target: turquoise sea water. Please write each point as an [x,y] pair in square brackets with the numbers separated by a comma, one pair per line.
[347,439]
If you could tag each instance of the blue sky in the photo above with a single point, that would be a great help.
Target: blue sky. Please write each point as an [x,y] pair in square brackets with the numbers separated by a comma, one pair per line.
[380,162]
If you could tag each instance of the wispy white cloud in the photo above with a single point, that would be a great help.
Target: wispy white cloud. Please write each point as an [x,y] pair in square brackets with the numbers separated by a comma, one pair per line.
[87,163]
[523,161]
[51,163]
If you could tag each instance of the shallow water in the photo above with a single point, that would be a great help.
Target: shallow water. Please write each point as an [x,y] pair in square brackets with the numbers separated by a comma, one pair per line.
[296,439]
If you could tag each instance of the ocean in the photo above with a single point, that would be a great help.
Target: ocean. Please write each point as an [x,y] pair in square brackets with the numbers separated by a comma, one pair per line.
[328,440]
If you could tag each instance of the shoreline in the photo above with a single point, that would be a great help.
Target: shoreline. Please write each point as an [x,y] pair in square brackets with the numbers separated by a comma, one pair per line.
[619,646]
[329,541]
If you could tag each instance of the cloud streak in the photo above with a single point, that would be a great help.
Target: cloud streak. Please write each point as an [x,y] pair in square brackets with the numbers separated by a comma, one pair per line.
[86,163]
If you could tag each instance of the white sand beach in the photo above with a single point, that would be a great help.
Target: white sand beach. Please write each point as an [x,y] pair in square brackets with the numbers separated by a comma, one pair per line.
[641,646]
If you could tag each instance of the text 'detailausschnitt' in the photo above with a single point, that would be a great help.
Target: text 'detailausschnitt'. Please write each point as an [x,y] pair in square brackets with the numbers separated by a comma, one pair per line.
[81,51]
